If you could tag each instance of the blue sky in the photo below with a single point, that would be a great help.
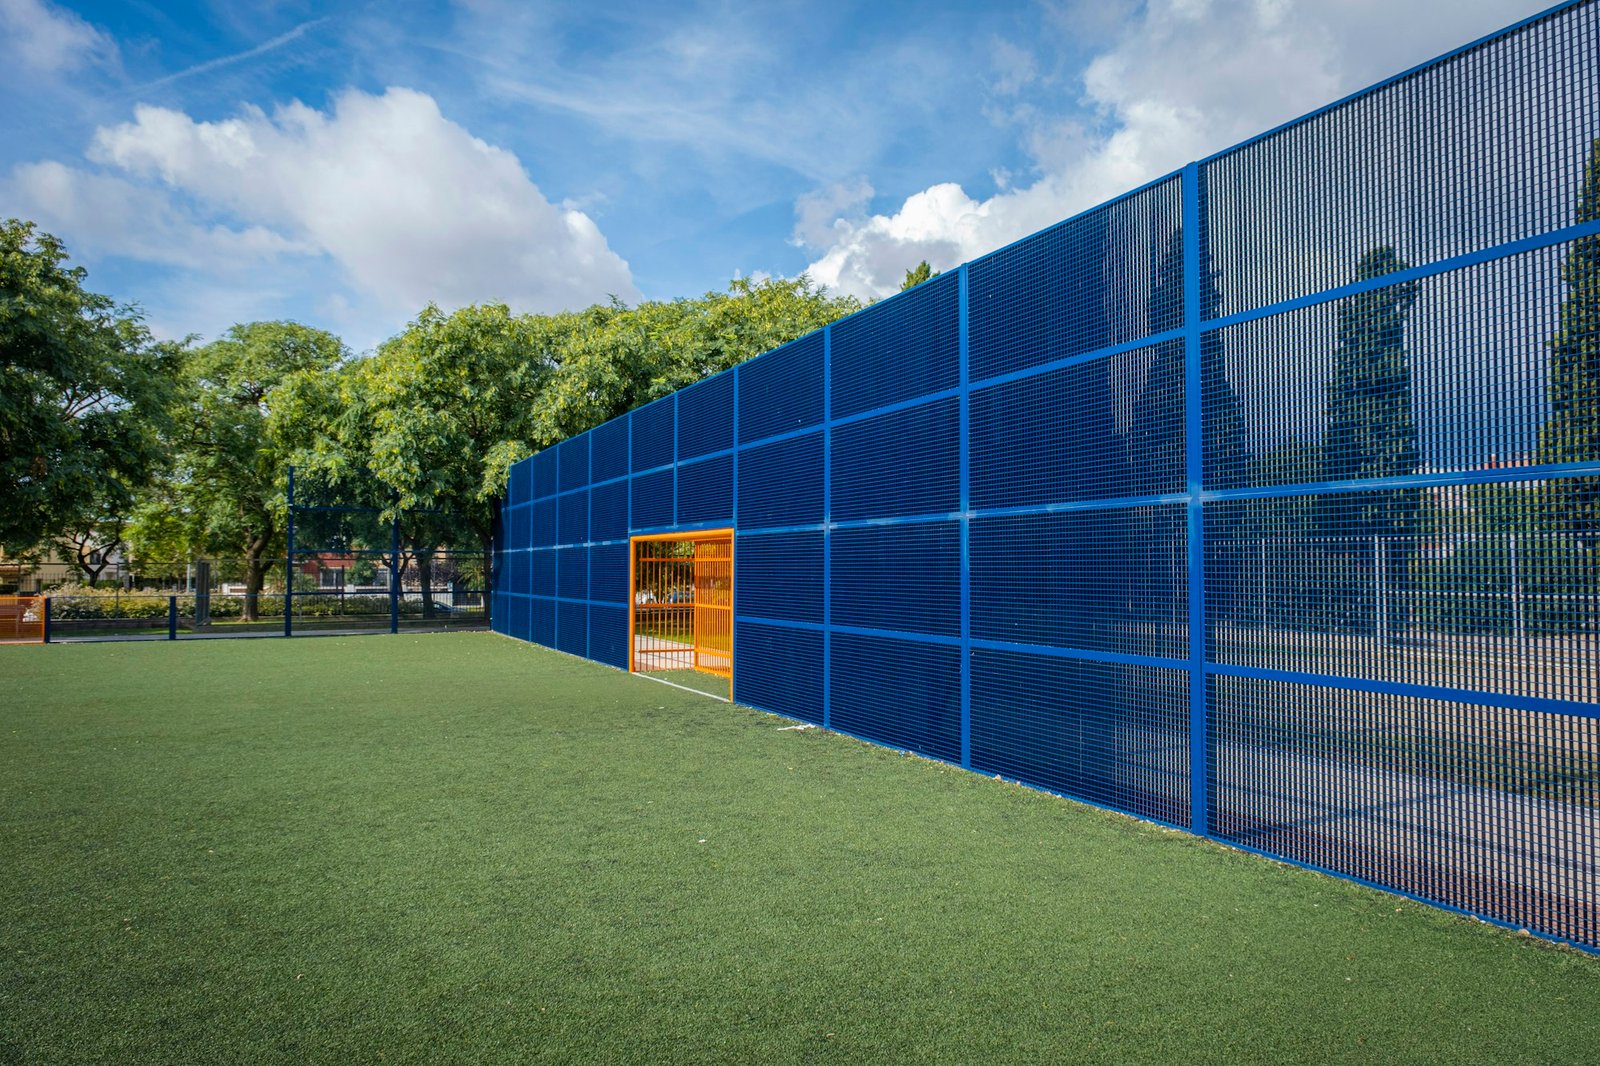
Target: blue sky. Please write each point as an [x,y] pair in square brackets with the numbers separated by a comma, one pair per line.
[344,163]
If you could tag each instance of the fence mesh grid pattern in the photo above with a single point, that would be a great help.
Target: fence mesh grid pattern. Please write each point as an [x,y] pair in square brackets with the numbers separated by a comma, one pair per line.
[1263,502]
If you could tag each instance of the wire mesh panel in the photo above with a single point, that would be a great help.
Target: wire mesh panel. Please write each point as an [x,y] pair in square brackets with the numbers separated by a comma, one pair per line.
[654,433]
[1084,284]
[573,523]
[780,576]
[573,462]
[519,484]
[1109,733]
[901,693]
[780,484]
[1113,580]
[544,523]
[1478,150]
[572,628]
[654,500]
[898,464]
[544,473]
[608,573]
[608,511]
[609,451]
[1110,427]
[705,417]
[899,349]
[705,492]
[776,668]
[782,391]
[608,634]
[1477,806]
[542,622]
[898,577]
[542,571]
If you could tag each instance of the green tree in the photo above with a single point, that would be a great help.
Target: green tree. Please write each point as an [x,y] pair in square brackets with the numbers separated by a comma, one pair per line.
[610,359]
[83,396]
[92,544]
[917,275]
[1157,436]
[1372,433]
[450,405]
[1572,432]
[239,437]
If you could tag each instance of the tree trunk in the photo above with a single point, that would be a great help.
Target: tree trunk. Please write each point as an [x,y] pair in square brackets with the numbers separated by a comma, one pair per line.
[424,559]
[255,574]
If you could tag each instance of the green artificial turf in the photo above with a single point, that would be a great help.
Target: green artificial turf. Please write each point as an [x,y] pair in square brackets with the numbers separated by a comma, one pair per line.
[458,848]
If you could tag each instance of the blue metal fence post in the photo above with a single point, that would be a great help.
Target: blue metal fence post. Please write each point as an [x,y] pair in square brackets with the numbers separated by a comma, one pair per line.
[172,618]
[827,527]
[1194,475]
[288,566]
[966,527]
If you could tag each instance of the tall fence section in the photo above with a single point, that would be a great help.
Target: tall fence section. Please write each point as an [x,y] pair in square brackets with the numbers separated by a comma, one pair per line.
[1263,501]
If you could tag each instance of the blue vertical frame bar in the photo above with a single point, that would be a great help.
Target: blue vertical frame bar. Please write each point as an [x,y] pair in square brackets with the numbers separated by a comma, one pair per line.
[733,520]
[588,527]
[827,527]
[966,527]
[1194,473]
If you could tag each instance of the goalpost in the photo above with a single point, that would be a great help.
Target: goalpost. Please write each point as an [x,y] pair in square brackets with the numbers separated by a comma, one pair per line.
[680,603]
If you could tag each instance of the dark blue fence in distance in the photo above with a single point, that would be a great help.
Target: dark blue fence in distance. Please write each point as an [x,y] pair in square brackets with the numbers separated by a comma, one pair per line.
[1262,502]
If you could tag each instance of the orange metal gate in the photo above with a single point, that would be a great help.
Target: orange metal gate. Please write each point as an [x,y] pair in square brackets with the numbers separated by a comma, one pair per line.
[21,620]
[682,603]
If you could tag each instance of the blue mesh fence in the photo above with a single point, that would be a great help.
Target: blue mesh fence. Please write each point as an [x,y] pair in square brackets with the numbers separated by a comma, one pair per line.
[1263,501]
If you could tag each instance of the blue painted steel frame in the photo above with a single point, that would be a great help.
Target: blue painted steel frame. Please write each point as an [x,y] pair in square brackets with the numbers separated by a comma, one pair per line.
[1194,498]
[827,529]
[964,459]
[1193,470]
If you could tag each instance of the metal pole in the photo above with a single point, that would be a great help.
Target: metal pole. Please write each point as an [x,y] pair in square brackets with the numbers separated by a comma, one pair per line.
[288,566]
[1379,557]
[172,618]
[1519,606]
[47,619]
[1261,565]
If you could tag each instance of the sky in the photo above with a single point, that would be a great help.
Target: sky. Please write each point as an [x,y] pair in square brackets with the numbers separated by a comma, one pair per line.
[345,164]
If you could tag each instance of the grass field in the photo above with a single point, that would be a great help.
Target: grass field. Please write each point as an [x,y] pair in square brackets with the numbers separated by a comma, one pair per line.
[457,848]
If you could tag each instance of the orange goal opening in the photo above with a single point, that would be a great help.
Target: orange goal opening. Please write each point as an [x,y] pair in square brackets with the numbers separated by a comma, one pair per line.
[680,595]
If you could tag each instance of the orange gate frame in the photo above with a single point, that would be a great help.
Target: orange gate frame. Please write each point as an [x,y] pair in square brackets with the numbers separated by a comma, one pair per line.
[21,620]
[680,603]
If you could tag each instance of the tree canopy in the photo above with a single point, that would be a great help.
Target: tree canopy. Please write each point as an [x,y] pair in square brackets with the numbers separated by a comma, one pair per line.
[231,458]
[84,394]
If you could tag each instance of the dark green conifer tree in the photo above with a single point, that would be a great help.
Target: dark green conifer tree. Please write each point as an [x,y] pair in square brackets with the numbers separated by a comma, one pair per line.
[1572,433]
[1372,433]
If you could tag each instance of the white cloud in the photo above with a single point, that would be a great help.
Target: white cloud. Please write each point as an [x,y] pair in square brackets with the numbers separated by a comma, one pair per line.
[108,215]
[819,215]
[48,39]
[410,205]
[1185,79]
